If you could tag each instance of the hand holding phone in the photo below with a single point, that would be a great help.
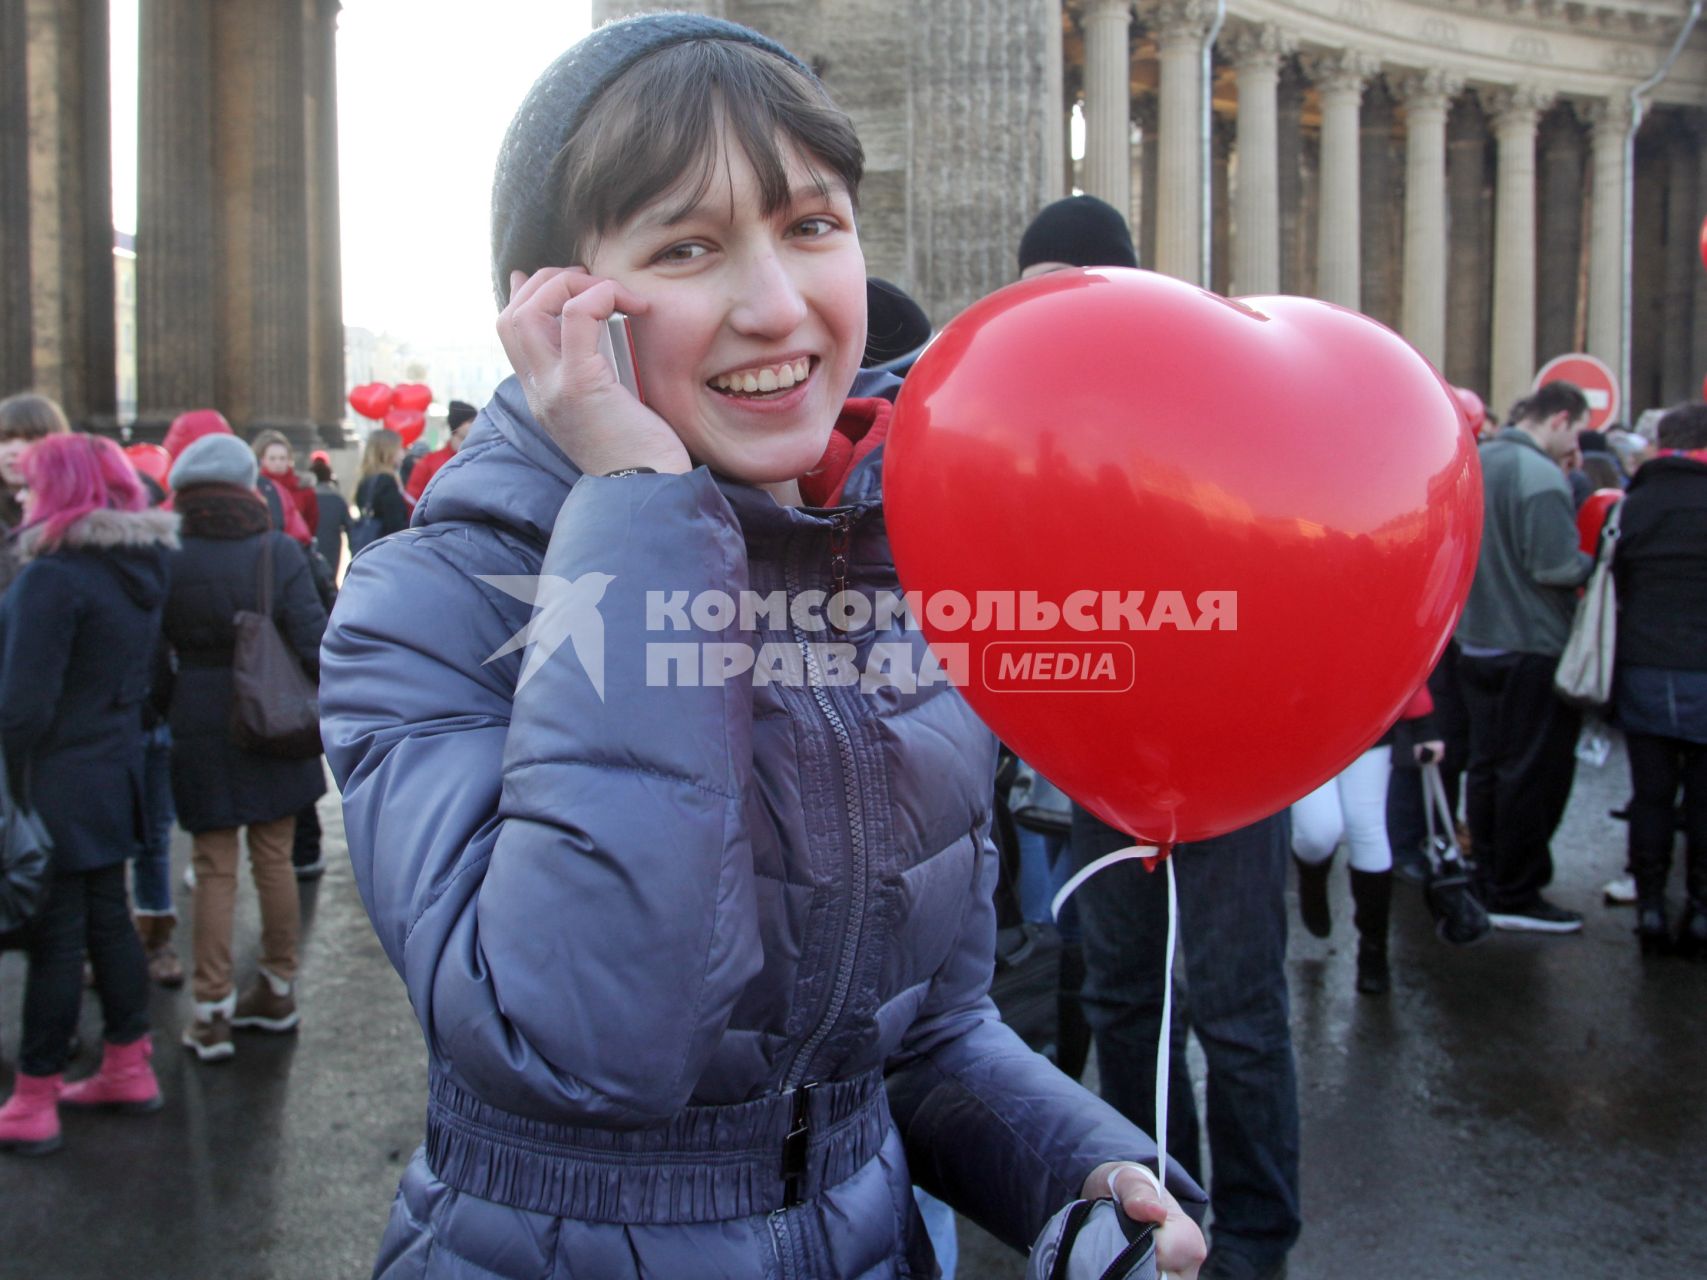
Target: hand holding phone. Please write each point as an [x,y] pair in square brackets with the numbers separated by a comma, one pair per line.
[567,335]
[616,344]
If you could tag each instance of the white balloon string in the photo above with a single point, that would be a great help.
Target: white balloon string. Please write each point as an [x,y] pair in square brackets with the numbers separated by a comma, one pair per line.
[1138,852]
[1164,1044]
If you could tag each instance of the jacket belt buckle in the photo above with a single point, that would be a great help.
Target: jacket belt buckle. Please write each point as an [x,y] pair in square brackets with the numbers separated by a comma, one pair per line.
[794,1146]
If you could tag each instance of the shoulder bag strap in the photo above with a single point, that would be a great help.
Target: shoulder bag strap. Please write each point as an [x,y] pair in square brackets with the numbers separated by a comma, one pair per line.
[265,575]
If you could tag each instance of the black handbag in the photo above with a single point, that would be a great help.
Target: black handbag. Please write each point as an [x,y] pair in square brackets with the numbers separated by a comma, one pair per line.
[275,706]
[26,850]
[1459,916]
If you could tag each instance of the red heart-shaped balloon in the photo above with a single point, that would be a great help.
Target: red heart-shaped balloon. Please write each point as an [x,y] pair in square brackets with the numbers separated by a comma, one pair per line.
[1289,485]
[371,400]
[408,423]
[150,460]
[1475,411]
[411,395]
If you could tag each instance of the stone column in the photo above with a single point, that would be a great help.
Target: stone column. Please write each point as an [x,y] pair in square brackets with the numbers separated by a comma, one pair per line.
[260,144]
[326,305]
[949,104]
[1559,218]
[1469,285]
[56,216]
[1426,96]
[1340,77]
[1108,101]
[1515,112]
[1679,379]
[1256,53]
[1289,130]
[1609,124]
[609,10]
[1221,131]
[1144,231]
[1181,26]
[1380,205]
[17,334]
[1054,119]
[177,281]
[1698,305]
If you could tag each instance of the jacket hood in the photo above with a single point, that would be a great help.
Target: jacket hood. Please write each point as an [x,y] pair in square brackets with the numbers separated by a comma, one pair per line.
[1668,469]
[141,541]
[509,473]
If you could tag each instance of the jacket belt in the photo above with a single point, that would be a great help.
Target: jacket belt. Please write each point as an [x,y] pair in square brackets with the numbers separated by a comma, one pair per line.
[706,1164]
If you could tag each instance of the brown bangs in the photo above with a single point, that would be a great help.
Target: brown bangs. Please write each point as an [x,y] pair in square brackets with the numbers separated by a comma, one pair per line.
[658,129]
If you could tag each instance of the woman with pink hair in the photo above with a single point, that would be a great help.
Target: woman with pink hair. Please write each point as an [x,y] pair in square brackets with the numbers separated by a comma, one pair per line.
[79,630]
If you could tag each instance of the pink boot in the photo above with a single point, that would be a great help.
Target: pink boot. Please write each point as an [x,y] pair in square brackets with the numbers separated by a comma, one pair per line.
[29,1122]
[124,1083]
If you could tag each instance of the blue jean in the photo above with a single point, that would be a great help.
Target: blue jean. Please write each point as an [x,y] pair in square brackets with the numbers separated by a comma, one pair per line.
[151,870]
[1041,856]
[85,913]
[1233,937]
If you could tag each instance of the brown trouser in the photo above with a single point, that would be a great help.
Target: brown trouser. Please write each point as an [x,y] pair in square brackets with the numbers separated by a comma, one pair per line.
[214,855]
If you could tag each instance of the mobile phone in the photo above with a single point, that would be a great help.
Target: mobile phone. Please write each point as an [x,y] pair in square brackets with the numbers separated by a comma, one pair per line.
[616,342]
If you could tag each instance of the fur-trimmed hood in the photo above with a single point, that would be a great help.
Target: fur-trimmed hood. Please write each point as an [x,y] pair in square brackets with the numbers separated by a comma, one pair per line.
[140,543]
[108,530]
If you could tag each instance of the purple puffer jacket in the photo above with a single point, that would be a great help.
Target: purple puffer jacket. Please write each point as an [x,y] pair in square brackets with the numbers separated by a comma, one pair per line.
[668,944]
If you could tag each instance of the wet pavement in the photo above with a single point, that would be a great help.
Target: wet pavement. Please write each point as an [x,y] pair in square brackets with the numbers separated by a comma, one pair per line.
[1525,1108]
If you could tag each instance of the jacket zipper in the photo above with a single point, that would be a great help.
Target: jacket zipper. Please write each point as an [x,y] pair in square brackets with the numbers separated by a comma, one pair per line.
[850,791]
[839,525]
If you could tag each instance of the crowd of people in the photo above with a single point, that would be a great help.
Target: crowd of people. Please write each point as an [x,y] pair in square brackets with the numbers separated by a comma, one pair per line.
[118,641]
[810,1050]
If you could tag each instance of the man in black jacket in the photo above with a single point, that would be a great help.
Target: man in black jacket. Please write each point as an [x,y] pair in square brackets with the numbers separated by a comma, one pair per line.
[1661,688]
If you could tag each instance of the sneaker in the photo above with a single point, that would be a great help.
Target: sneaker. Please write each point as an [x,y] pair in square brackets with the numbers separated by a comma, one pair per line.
[312,867]
[1620,892]
[1539,916]
[263,1007]
[210,1040]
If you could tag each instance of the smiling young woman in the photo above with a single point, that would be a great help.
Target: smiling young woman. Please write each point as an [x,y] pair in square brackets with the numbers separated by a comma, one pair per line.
[701,957]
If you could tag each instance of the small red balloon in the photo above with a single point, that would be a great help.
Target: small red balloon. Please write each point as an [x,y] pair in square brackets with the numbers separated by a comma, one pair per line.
[1216,544]
[1704,242]
[371,400]
[1475,412]
[1591,517]
[411,395]
[150,460]
[408,423]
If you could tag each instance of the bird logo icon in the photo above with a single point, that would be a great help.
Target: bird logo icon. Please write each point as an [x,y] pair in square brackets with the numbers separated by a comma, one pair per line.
[567,609]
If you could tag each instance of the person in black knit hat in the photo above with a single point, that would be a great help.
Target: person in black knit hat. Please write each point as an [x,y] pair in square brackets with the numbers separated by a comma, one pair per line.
[1080,231]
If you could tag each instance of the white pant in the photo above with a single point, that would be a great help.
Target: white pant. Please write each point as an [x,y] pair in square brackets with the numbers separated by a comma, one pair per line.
[1352,806]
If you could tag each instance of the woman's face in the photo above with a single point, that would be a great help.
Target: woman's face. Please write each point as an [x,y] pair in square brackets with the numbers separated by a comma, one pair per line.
[12,460]
[756,323]
[275,459]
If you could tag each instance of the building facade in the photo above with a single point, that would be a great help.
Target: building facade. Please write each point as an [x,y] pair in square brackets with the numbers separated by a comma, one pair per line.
[1474,173]
[238,293]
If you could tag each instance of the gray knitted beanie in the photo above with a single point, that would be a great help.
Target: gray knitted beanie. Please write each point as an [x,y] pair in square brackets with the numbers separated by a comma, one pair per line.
[526,224]
[215,459]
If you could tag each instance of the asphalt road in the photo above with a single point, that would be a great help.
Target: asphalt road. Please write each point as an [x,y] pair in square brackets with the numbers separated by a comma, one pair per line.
[1526,1108]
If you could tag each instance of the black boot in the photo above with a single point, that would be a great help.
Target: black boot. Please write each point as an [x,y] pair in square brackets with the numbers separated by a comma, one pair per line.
[1372,899]
[1313,896]
[1692,932]
[1072,1032]
[1651,930]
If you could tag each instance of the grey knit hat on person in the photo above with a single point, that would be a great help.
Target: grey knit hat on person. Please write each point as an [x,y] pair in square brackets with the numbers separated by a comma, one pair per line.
[527,227]
[215,459]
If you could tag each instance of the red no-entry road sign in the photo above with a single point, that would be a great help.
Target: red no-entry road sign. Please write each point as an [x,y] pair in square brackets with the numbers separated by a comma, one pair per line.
[1592,376]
